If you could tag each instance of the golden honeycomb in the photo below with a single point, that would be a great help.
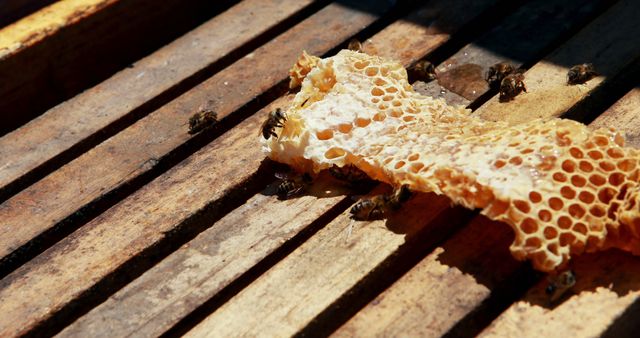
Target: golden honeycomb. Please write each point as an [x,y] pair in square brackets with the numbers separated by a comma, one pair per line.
[563,188]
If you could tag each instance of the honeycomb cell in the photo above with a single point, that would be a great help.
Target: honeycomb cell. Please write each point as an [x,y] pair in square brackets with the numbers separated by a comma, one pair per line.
[375,100]
[567,192]
[564,222]
[627,165]
[499,163]
[324,135]
[559,177]
[553,248]
[334,153]
[601,141]
[379,82]
[550,233]
[345,128]
[567,238]
[522,206]
[379,116]
[371,71]
[376,91]
[544,215]
[585,166]
[605,195]
[555,203]
[361,64]
[577,211]
[586,197]
[568,166]
[576,152]
[533,242]
[408,118]
[416,167]
[396,113]
[529,225]
[396,103]
[399,165]
[516,160]
[526,151]
[615,152]
[391,89]
[607,165]
[413,157]
[595,154]
[597,180]
[578,181]
[387,98]
[580,228]
[362,122]
[616,179]
[535,197]
[387,160]
[597,211]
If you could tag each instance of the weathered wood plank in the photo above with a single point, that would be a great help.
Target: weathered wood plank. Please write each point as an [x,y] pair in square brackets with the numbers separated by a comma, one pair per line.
[116,162]
[73,122]
[70,45]
[187,296]
[155,215]
[624,115]
[520,39]
[443,288]
[605,43]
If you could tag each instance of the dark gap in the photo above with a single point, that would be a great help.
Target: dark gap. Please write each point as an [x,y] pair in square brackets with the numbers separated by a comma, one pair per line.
[14,10]
[75,61]
[416,248]
[626,325]
[504,295]
[600,7]
[249,276]
[187,230]
[153,104]
[605,95]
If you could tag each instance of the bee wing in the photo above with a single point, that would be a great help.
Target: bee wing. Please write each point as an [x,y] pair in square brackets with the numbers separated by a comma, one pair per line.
[282,176]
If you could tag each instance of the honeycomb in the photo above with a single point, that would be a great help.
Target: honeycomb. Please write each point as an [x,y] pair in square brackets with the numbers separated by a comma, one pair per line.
[563,188]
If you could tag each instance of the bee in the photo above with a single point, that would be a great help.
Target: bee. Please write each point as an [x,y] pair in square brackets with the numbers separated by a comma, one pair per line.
[292,185]
[497,72]
[201,120]
[350,174]
[355,45]
[422,70]
[375,207]
[511,86]
[580,74]
[275,120]
[559,284]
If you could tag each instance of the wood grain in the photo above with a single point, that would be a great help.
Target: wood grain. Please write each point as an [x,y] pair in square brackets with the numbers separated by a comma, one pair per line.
[116,162]
[147,319]
[604,42]
[70,45]
[443,288]
[73,122]
[624,116]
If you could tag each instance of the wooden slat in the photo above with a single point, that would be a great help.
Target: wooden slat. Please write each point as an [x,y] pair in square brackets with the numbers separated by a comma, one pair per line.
[443,288]
[624,115]
[70,45]
[116,162]
[605,43]
[519,39]
[188,295]
[74,122]
[163,205]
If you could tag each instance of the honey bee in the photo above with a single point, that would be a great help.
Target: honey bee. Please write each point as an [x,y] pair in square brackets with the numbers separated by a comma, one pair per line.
[275,120]
[559,284]
[511,86]
[580,74]
[292,185]
[375,207]
[355,45]
[497,72]
[350,174]
[202,120]
[422,70]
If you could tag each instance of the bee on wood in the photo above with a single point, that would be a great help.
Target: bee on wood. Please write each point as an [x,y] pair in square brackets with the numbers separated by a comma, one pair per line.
[511,86]
[375,207]
[559,284]
[497,73]
[355,45]
[580,74]
[292,185]
[276,119]
[422,70]
[201,120]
